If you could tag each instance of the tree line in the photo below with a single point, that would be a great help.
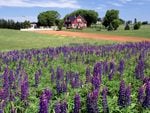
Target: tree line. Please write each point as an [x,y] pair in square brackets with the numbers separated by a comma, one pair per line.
[111,20]
[11,24]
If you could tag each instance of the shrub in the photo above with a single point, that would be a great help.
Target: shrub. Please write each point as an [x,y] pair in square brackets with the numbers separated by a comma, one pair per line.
[137,26]
[59,23]
[127,27]
[145,23]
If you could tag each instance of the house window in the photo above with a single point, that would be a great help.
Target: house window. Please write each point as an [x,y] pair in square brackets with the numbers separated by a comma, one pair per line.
[79,20]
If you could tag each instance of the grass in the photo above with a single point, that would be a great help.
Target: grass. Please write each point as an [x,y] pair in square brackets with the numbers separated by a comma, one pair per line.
[13,39]
[143,32]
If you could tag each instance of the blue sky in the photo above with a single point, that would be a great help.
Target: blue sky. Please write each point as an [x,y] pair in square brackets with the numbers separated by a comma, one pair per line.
[21,10]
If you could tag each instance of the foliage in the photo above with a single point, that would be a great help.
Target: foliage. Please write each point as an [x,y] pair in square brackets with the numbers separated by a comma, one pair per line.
[110,27]
[137,25]
[127,27]
[145,23]
[59,23]
[111,16]
[116,23]
[90,16]
[48,18]
[11,24]
[26,24]
[122,21]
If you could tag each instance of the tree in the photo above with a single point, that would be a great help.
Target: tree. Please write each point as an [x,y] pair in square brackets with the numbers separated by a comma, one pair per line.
[59,23]
[48,18]
[90,16]
[129,21]
[137,25]
[111,17]
[127,27]
[110,27]
[145,23]
[17,25]
[116,23]
[26,24]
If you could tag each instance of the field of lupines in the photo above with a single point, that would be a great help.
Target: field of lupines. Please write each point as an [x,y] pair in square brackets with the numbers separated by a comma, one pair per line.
[76,79]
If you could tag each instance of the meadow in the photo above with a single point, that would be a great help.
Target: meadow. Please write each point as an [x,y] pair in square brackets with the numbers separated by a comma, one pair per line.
[144,31]
[72,75]
[14,39]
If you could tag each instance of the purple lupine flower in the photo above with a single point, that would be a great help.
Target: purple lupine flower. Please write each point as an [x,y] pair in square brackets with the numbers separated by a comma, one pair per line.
[75,81]
[92,99]
[111,70]
[6,83]
[128,95]
[95,70]
[58,87]
[59,74]
[121,67]
[141,95]
[64,86]
[61,87]
[112,66]
[61,107]
[88,75]
[48,94]
[64,107]
[44,101]
[104,100]
[146,102]
[1,111]
[52,75]
[139,70]
[122,97]
[1,94]
[98,70]
[96,82]
[11,78]
[146,79]
[105,67]
[43,104]
[57,108]
[77,104]
[24,88]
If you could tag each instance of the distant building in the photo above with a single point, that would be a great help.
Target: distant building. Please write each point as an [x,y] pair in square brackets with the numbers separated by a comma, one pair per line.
[33,25]
[75,22]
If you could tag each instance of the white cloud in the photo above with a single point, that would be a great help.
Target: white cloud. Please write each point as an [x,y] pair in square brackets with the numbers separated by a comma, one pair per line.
[40,3]
[125,1]
[101,7]
[115,4]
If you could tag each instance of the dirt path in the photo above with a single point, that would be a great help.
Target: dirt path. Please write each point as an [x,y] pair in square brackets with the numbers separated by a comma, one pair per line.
[95,36]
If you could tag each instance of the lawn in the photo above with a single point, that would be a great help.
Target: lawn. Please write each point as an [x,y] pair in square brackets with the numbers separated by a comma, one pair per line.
[13,39]
[143,32]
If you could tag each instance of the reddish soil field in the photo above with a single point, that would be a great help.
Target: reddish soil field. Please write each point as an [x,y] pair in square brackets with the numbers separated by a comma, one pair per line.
[95,36]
